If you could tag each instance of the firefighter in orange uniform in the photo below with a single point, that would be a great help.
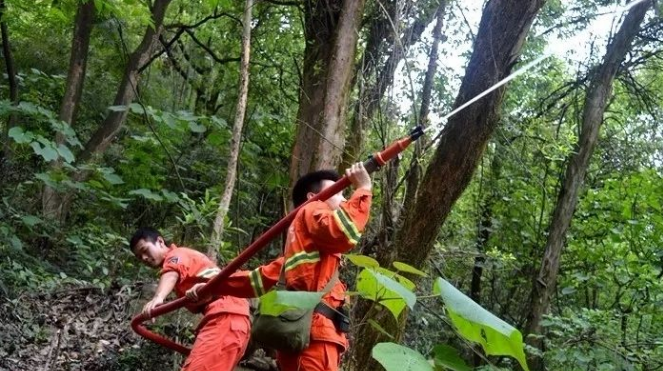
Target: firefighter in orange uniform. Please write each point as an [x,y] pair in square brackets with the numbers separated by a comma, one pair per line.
[319,234]
[223,334]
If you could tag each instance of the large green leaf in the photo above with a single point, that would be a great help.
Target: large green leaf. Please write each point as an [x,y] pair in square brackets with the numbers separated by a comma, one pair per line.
[47,151]
[408,269]
[362,261]
[65,153]
[478,325]
[394,357]
[276,302]
[20,136]
[447,358]
[378,285]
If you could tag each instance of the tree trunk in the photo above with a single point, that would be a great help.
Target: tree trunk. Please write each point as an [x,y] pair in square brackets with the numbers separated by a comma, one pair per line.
[125,95]
[231,174]
[13,87]
[596,102]
[426,92]
[332,29]
[126,92]
[369,100]
[502,31]
[484,229]
[51,201]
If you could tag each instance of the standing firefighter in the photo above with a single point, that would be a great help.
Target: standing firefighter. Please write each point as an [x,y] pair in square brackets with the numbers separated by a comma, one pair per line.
[223,333]
[319,234]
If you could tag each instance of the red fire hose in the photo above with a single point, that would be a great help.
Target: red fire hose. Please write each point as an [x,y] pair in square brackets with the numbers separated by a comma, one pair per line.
[377,160]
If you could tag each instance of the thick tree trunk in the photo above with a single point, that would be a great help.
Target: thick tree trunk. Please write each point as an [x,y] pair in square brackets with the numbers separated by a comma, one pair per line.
[126,92]
[13,87]
[332,29]
[51,200]
[596,102]
[240,112]
[502,32]
[369,101]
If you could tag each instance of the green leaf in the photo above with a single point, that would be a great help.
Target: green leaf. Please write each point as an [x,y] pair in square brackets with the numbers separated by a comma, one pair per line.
[196,127]
[170,196]
[568,290]
[393,295]
[30,220]
[276,302]
[47,179]
[476,324]
[394,357]
[16,243]
[120,108]
[362,261]
[219,122]
[408,269]
[47,152]
[110,176]
[137,108]
[447,358]
[146,193]
[19,136]
[65,153]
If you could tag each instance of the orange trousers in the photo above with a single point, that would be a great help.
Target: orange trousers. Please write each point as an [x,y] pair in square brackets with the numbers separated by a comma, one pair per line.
[319,356]
[220,344]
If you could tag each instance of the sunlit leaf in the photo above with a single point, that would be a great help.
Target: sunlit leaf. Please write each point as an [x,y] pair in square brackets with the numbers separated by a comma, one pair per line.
[394,295]
[408,269]
[476,324]
[362,261]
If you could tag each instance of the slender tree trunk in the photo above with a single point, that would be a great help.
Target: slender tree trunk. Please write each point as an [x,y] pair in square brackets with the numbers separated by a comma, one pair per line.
[502,32]
[427,90]
[126,92]
[83,23]
[332,29]
[240,112]
[13,87]
[596,101]
[125,95]
[485,224]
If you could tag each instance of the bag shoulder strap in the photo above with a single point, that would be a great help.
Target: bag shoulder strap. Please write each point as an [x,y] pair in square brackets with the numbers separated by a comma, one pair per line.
[332,281]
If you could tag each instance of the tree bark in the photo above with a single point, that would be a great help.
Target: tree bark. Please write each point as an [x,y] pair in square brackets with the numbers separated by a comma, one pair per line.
[13,86]
[369,100]
[332,29]
[126,92]
[83,23]
[240,112]
[502,32]
[596,101]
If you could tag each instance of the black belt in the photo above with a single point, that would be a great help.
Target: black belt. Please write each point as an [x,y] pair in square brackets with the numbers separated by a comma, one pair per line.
[326,311]
[338,316]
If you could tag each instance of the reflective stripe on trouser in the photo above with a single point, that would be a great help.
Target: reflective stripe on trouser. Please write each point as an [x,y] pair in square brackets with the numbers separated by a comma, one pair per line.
[220,344]
[319,356]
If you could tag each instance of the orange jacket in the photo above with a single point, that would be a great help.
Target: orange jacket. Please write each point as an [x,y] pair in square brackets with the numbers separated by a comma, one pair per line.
[195,267]
[316,239]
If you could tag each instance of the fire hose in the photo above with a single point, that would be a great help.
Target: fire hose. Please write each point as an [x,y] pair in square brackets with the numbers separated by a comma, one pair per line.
[374,163]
